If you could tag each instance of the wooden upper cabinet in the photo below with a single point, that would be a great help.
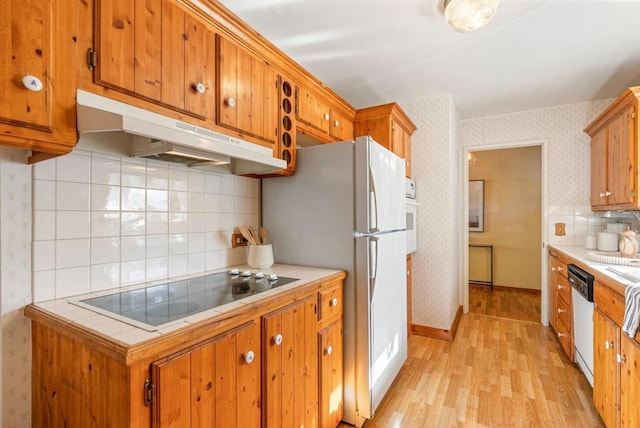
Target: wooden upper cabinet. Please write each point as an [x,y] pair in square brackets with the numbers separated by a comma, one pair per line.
[389,126]
[312,111]
[614,155]
[156,51]
[214,385]
[38,61]
[599,144]
[321,119]
[247,93]
[340,127]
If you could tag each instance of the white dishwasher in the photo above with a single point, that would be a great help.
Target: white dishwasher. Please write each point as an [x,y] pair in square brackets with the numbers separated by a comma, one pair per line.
[582,295]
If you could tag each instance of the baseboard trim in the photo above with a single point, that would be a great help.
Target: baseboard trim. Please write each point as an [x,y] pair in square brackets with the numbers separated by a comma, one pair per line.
[506,287]
[438,333]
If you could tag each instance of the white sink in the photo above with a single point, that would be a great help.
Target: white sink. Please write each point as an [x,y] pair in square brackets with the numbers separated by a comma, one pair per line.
[630,273]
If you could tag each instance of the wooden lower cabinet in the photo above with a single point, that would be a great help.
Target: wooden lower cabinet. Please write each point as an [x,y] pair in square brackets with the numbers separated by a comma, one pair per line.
[331,389]
[289,375]
[629,383]
[215,385]
[616,372]
[560,305]
[272,363]
[606,336]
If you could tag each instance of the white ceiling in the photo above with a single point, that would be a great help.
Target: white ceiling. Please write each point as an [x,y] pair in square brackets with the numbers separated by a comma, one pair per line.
[533,54]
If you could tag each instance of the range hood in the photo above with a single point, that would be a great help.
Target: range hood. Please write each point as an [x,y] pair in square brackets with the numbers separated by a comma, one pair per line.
[163,138]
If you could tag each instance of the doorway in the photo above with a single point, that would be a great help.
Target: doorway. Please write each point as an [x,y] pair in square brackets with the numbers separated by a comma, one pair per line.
[504,262]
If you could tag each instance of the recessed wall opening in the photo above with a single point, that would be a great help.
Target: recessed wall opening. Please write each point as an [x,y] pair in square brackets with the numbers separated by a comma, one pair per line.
[505,230]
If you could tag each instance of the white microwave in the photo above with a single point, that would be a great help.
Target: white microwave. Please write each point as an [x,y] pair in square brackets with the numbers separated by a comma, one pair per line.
[410,188]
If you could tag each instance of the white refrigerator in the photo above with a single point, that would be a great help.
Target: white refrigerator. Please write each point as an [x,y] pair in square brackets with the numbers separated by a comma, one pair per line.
[345,208]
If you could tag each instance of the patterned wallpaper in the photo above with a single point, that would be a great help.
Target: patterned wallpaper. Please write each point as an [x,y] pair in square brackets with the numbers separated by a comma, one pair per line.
[437,155]
[15,287]
[436,267]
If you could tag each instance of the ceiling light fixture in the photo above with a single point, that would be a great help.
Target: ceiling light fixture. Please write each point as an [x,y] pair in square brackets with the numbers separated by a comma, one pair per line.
[469,15]
[472,158]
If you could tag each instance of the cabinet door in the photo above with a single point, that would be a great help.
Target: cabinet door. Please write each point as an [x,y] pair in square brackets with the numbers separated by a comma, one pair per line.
[340,127]
[599,168]
[290,388]
[621,166]
[606,345]
[312,110]
[25,49]
[629,383]
[156,51]
[331,389]
[37,39]
[407,154]
[247,92]
[397,139]
[214,385]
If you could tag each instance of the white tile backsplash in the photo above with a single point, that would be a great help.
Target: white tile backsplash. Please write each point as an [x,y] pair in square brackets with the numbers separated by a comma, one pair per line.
[103,221]
[73,224]
[74,167]
[72,196]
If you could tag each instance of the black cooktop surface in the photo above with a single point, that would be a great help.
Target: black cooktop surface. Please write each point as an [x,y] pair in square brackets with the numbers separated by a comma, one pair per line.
[163,303]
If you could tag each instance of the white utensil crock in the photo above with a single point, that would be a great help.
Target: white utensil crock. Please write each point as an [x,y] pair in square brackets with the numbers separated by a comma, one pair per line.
[260,256]
[608,241]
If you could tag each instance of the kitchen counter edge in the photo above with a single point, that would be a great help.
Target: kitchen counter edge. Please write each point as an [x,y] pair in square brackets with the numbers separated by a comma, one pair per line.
[579,256]
[188,334]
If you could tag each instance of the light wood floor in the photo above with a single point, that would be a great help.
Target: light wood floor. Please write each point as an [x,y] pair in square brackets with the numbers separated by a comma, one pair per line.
[497,373]
[505,302]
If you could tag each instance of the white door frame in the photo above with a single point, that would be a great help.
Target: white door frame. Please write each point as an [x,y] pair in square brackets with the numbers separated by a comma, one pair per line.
[464,285]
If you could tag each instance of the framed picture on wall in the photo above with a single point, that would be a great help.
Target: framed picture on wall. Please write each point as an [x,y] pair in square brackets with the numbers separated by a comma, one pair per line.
[476,205]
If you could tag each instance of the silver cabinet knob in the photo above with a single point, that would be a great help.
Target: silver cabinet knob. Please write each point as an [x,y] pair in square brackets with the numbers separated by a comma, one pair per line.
[621,358]
[326,116]
[559,269]
[329,350]
[608,345]
[561,335]
[336,123]
[200,88]
[32,83]
[277,339]
[607,193]
[333,302]
[249,357]
[560,286]
[601,194]
[553,269]
[560,310]
[230,102]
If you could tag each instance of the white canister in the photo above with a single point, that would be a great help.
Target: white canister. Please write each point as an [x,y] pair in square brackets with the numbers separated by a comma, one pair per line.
[607,241]
[260,256]
[591,243]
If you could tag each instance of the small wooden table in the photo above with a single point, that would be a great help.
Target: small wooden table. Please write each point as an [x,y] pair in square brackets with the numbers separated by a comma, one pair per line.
[490,282]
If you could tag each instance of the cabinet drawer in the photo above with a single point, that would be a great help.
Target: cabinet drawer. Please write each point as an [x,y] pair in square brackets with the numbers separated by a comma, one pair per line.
[609,302]
[564,314]
[565,339]
[330,303]
[563,287]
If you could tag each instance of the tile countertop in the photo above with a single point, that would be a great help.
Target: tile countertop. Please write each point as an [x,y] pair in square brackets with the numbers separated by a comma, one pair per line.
[130,335]
[600,270]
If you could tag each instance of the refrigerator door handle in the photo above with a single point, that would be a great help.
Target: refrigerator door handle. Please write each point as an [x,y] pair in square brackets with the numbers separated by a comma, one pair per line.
[373,265]
[373,204]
